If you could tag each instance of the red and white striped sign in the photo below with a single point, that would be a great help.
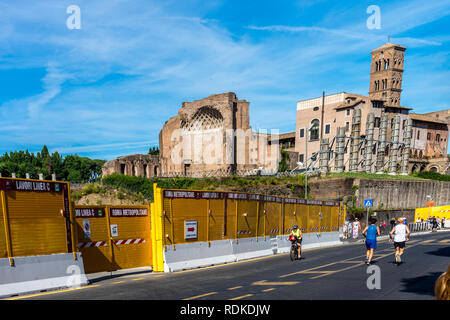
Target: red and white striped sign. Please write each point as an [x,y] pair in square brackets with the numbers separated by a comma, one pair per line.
[92,244]
[129,241]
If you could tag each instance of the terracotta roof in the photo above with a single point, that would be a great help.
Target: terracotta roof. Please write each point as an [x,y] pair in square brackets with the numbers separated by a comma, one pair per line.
[388,45]
[348,105]
[287,135]
[421,117]
[398,107]
[434,114]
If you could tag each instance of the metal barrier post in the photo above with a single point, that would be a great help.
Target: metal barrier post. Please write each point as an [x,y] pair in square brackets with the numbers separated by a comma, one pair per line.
[264,224]
[158,221]
[320,221]
[237,241]
[7,234]
[171,224]
[110,239]
[257,219]
[307,218]
[281,222]
[208,213]
[74,235]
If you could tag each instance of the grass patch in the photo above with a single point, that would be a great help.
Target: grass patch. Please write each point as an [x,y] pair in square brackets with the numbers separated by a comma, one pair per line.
[142,188]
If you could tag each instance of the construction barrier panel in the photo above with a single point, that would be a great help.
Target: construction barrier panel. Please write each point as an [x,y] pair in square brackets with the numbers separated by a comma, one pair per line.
[36,224]
[194,228]
[438,211]
[114,237]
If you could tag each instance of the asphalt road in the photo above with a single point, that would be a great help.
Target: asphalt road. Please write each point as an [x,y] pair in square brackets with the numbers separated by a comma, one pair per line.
[327,273]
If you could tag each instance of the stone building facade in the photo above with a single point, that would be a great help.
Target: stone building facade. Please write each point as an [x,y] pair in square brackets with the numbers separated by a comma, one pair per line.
[430,136]
[386,74]
[324,115]
[213,135]
[139,165]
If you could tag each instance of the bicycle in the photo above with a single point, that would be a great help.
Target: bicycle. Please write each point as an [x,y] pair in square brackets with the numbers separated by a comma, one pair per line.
[294,249]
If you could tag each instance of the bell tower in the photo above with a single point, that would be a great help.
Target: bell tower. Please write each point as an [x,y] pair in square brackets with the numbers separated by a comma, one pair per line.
[386,74]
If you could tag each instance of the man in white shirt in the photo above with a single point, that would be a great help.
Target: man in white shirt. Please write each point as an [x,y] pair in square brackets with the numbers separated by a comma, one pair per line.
[401,235]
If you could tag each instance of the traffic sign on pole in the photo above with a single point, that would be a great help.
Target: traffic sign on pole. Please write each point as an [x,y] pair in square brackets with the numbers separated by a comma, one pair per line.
[368,203]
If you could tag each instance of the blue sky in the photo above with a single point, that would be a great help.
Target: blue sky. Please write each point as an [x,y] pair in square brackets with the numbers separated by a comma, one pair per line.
[106,89]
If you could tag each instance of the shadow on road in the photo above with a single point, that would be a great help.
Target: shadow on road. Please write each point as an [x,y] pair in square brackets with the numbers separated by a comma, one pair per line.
[443,252]
[421,285]
[113,276]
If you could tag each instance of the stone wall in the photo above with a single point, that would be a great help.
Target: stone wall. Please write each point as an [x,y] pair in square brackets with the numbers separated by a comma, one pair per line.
[391,194]
[142,165]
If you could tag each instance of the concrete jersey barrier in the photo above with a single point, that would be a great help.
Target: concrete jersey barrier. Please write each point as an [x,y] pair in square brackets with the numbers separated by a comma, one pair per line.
[45,272]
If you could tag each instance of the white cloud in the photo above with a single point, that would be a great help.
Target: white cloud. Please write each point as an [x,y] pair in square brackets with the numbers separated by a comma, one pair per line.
[165,56]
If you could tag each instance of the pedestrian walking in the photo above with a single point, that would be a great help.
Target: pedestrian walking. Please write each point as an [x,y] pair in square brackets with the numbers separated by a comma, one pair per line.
[434,224]
[350,229]
[400,235]
[370,232]
[346,223]
[392,223]
[355,228]
[383,227]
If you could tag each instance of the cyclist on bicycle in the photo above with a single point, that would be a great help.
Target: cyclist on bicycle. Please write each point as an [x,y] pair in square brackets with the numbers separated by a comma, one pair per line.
[298,237]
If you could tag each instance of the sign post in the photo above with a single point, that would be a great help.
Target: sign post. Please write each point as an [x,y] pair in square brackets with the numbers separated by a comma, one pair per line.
[430,204]
[368,203]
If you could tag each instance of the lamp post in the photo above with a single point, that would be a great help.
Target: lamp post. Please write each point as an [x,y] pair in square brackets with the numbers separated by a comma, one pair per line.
[429,204]
[306,161]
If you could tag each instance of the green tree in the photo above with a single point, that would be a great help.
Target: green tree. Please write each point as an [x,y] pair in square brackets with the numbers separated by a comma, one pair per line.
[283,164]
[154,151]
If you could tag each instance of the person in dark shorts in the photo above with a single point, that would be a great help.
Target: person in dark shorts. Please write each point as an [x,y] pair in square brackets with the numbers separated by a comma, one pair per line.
[401,235]
[297,233]
[370,232]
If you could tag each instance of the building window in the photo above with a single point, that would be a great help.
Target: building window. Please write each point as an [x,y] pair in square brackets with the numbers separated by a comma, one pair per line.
[429,136]
[327,129]
[302,132]
[315,130]
[301,157]
[377,122]
[316,109]
[418,134]
[438,137]
[377,104]
[347,126]
[348,112]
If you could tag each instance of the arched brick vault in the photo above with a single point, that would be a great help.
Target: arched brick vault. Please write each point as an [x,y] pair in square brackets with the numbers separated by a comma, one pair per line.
[206,118]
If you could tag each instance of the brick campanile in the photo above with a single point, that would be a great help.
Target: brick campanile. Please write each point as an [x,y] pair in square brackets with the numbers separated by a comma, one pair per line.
[386,74]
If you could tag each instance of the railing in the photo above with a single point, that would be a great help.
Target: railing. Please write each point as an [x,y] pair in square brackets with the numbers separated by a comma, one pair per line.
[417,227]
